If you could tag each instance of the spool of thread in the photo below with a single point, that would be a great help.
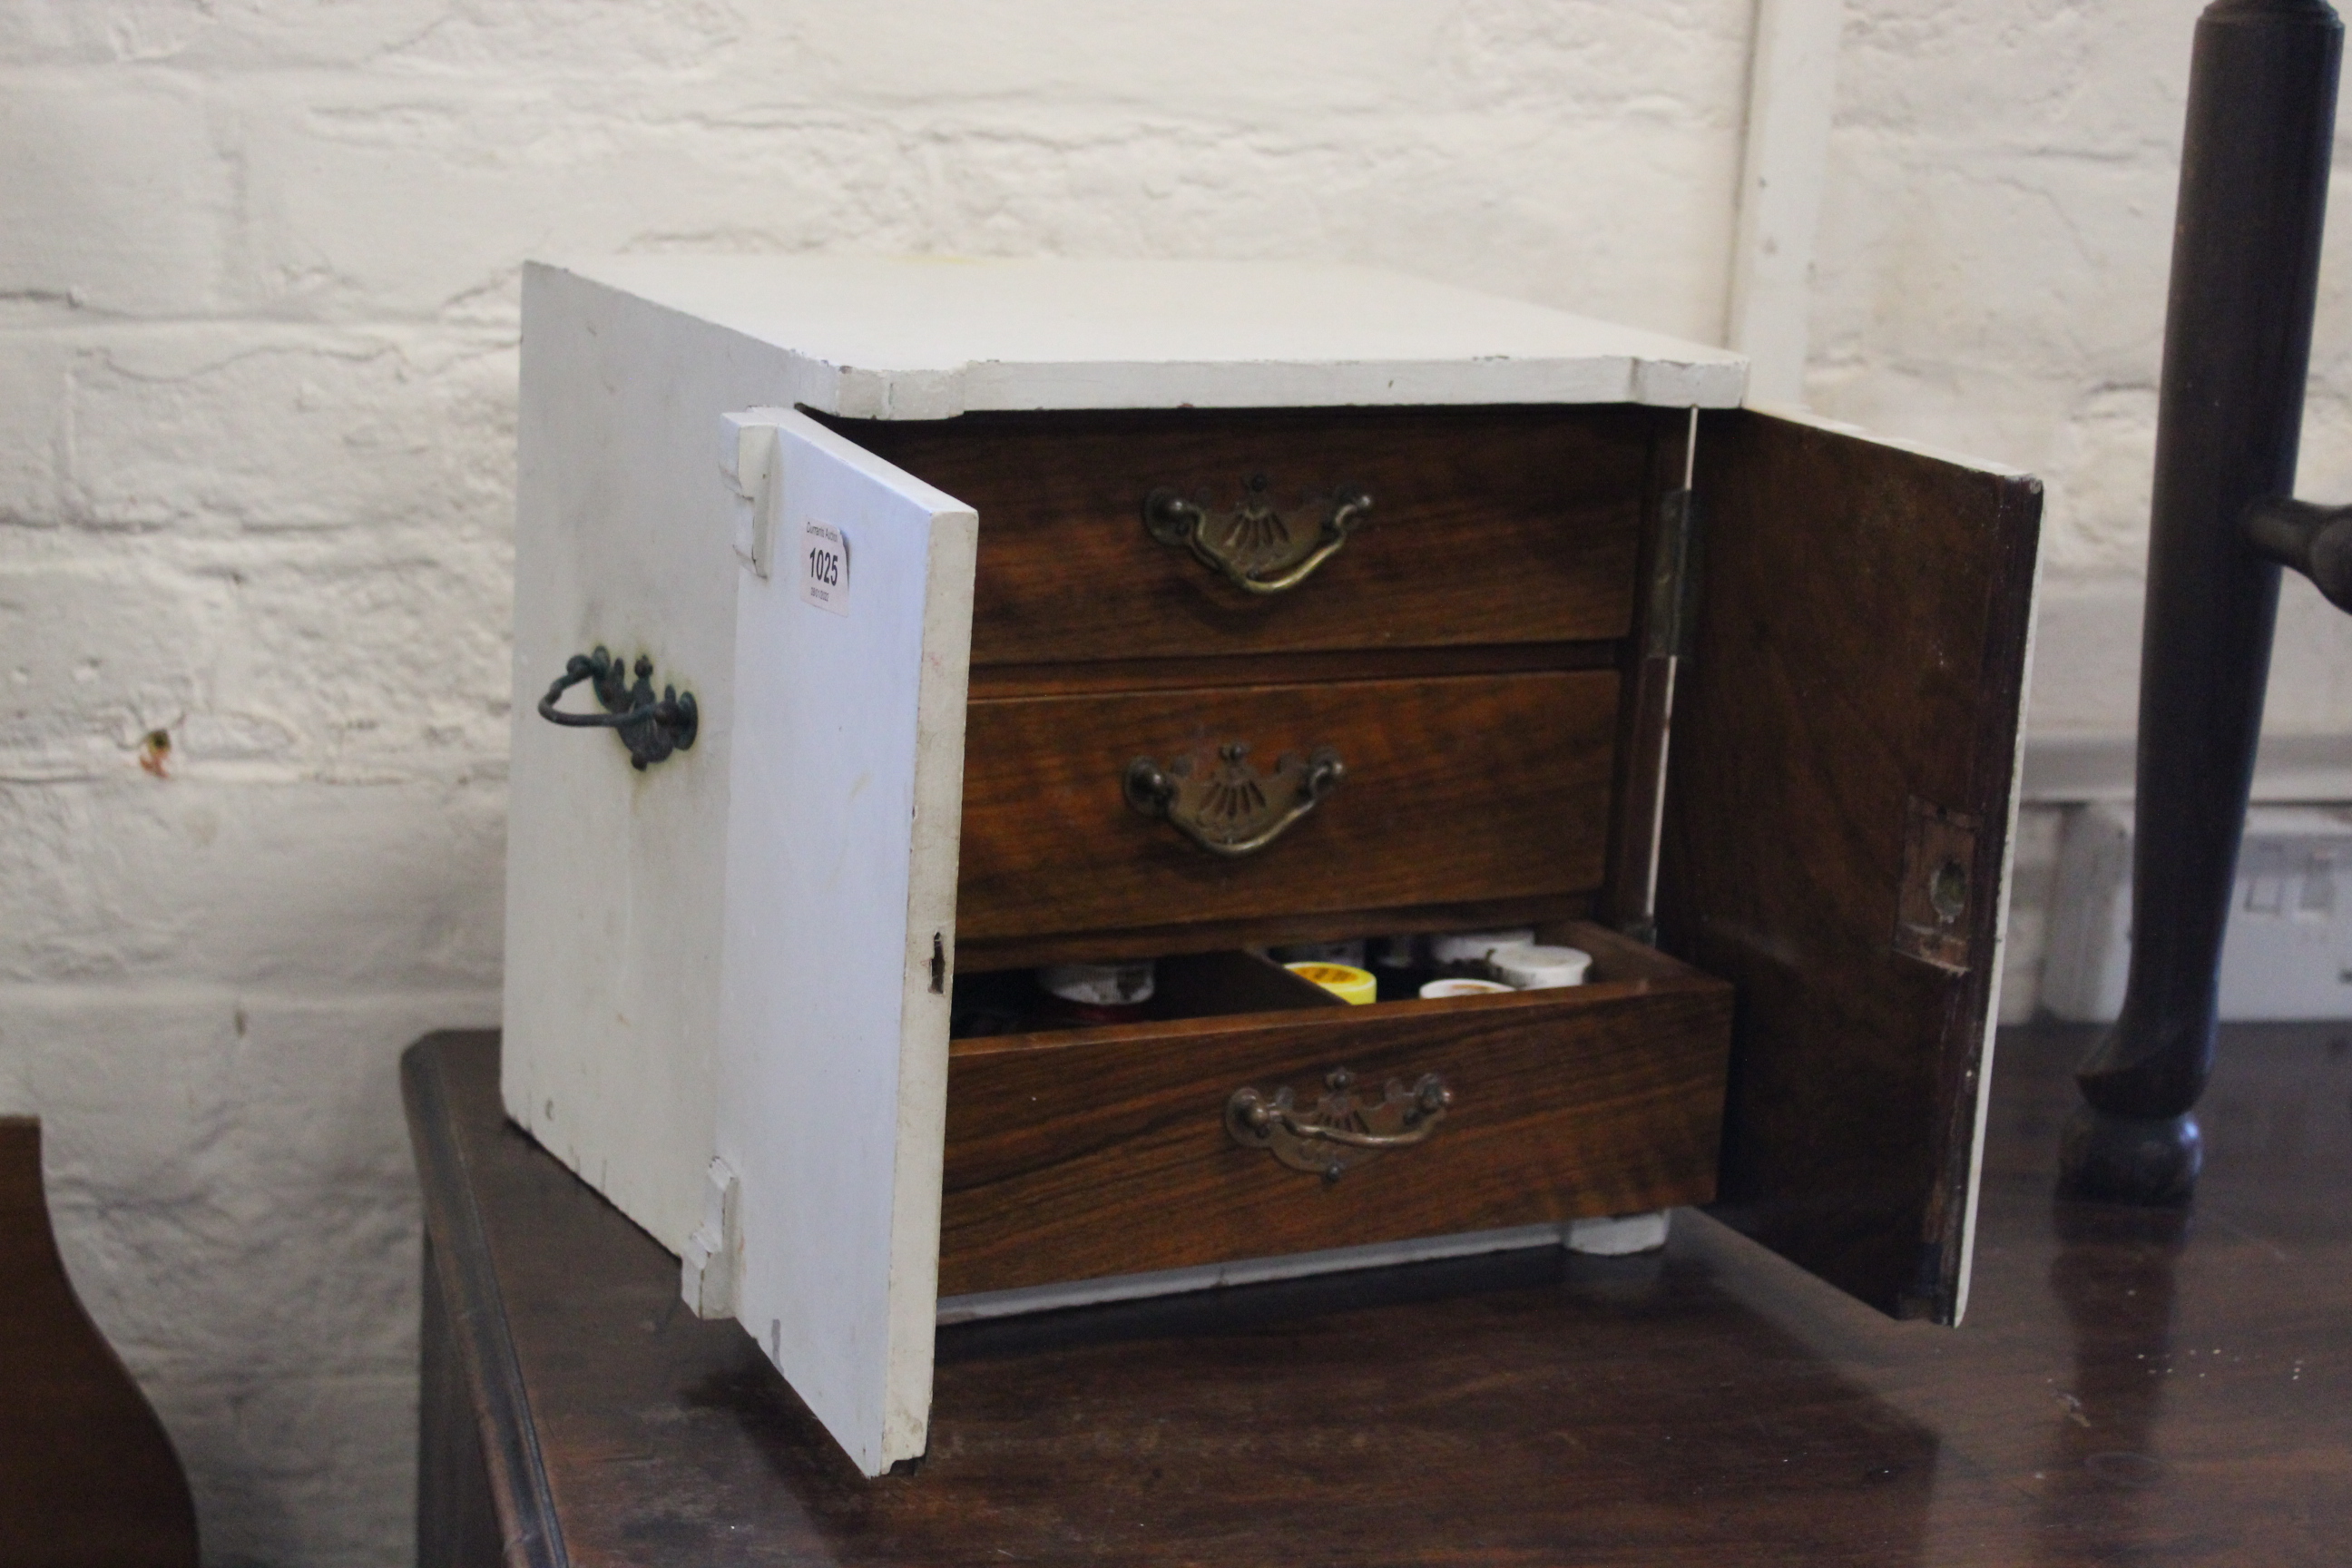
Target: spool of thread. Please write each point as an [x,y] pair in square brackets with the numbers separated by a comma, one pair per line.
[1467,952]
[1460,985]
[1345,981]
[1077,994]
[1530,966]
[1101,985]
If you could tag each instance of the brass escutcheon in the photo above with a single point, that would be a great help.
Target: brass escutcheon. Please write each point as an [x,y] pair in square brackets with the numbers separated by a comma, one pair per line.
[1252,546]
[1338,1132]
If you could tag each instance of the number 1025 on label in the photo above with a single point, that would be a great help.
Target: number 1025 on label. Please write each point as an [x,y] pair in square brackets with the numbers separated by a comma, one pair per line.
[824,566]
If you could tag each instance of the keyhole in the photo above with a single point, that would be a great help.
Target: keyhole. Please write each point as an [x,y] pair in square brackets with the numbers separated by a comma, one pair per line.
[1948,890]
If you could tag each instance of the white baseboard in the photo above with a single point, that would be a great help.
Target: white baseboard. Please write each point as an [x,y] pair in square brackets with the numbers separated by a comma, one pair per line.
[2079,770]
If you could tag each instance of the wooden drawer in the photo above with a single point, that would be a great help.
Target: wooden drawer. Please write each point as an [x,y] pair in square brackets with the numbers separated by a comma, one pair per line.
[1457,788]
[1488,526]
[1105,1151]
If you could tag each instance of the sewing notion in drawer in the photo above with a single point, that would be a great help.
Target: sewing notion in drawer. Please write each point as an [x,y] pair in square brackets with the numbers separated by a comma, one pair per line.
[1179,533]
[1199,1138]
[1162,808]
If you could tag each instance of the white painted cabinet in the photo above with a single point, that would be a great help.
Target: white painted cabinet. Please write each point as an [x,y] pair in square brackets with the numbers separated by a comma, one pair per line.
[730,967]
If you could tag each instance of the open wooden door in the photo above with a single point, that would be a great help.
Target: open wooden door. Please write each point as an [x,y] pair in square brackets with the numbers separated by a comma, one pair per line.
[852,641]
[1838,816]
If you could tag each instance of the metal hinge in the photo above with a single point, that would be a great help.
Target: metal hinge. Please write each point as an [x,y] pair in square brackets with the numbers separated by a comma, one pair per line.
[711,1266]
[1669,633]
[1669,629]
[748,454]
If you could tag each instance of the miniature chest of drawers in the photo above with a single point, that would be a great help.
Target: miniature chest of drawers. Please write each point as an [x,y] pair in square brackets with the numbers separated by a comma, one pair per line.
[952,618]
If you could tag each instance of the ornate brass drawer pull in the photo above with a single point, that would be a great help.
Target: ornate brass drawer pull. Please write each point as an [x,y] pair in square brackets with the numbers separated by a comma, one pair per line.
[651,727]
[1234,810]
[1251,547]
[1336,1131]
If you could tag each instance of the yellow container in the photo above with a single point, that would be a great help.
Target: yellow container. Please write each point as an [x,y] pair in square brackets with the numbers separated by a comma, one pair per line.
[1344,981]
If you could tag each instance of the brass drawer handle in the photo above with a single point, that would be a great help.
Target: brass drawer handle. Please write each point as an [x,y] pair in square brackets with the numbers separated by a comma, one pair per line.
[1251,547]
[651,727]
[1336,1131]
[1235,810]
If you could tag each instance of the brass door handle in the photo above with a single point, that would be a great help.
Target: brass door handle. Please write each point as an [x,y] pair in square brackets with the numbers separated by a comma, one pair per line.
[1234,810]
[1338,1132]
[1252,546]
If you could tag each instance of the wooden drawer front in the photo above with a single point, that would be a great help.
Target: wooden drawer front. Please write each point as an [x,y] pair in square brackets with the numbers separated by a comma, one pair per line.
[1487,526]
[1106,1151]
[1457,788]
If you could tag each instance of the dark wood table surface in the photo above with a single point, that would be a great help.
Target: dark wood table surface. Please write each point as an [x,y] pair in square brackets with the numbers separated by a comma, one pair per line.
[2129,1387]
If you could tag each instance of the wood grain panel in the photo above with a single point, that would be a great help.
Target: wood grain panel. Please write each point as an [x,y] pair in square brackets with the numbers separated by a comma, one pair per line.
[1489,525]
[1860,646]
[88,1477]
[1103,1151]
[470,1347]
[1355,664]
[1478,787]
[1703,1407]
[457,1501]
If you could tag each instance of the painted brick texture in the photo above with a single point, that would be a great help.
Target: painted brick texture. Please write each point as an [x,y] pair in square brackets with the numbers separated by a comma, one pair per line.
[257,333]
[1990,274]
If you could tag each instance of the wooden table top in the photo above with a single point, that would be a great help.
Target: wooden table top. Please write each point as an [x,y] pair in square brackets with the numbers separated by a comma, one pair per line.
[2128,1386]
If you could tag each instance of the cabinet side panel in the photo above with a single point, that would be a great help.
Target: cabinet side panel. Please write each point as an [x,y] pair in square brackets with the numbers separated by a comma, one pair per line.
[614,875]
[1843,763]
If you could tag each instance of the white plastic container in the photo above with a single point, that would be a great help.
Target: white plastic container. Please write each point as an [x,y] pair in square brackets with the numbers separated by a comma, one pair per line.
[1101,985]
[1530,966]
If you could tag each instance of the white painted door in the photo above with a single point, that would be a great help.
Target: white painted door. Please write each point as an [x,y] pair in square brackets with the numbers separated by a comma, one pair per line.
[853,638]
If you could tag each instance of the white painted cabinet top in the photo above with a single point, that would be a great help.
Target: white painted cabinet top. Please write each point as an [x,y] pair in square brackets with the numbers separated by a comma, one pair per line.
[930,338]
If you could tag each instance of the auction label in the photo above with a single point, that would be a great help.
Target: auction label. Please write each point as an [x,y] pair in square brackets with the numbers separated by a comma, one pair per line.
[824,566]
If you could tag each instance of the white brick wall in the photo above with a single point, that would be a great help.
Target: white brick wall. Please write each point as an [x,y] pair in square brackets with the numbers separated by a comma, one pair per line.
[1995,244]
[258,264]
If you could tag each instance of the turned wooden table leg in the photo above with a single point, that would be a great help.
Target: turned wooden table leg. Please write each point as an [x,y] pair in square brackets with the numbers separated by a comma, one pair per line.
[2237,347]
